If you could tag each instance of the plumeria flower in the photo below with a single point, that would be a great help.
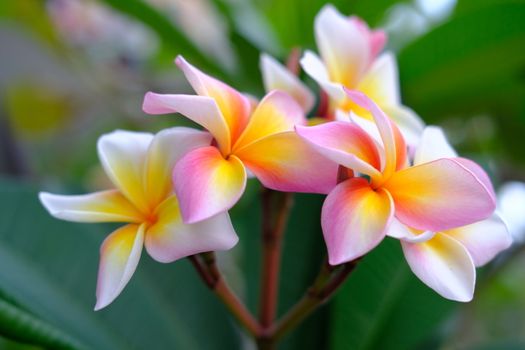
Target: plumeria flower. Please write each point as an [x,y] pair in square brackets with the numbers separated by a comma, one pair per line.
[350,58]
[139,165]
[211,179]
[278,77]
[446,260]
[431,196]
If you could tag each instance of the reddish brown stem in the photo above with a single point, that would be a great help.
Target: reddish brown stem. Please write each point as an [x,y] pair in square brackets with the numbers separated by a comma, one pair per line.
[206,267]
[292,63]
[322,108]
[338,280]
[272,241]
[201,270]
[329,280]
[237,308]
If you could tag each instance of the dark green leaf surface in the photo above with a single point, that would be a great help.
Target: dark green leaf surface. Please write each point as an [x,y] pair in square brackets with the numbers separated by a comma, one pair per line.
[384,306]
[49,267]
[24,327]
[467,64]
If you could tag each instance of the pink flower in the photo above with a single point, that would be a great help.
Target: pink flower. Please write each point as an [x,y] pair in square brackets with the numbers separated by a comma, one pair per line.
[431,196]
[211,179]
[350,58]
[139,165]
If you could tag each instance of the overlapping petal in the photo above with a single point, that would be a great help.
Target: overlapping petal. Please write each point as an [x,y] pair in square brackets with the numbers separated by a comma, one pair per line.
[314,67]
[104,206]
[478,171]
[393,142]
[123,155]
[170,239]
[201,109]
[433,145]
[166,148]
[355,219]
[139,164]
[444,265]
[402,232]
[342,45]
[277,77]
[284,162]
[207,184]
[277,112]
[381,81]
[439,195]
[483,239]
[376,38]
[407,121]
[119,257]
[234,106]
[346,144]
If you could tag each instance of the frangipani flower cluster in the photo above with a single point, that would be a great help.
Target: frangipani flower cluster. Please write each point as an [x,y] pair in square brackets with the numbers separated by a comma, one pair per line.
[384,173]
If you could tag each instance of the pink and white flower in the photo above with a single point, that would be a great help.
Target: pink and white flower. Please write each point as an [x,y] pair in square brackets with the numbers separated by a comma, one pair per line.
[139,165]
[211,179]
[434,196]
[350,57]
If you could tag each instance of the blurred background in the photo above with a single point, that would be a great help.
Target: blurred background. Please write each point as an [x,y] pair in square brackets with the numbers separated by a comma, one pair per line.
[71,70]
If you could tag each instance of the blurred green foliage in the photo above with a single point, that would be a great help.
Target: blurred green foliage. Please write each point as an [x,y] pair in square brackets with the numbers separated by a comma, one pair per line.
[465,72]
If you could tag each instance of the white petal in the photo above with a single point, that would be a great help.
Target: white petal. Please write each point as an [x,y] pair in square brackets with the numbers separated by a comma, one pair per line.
[343,46]
[342,116]
[315,68]
[277,77]
[381,81]
[402,232]
[444,265]
[119,257]
[123,155]
[408,122]
[170,239]
[433,145]
[105,206]
[511,201]
[483,239]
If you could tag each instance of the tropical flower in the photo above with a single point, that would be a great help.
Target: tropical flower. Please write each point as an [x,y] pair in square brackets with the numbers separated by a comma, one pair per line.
[431,196]
[211,179]
[350,58]
[139,165]
[446,260]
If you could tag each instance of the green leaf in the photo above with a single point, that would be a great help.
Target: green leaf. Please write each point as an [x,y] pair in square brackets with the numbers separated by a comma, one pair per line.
[49,267]
[472,65]
[24,327]
[466,64]
[384,306]
[465,6]
[372,12]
